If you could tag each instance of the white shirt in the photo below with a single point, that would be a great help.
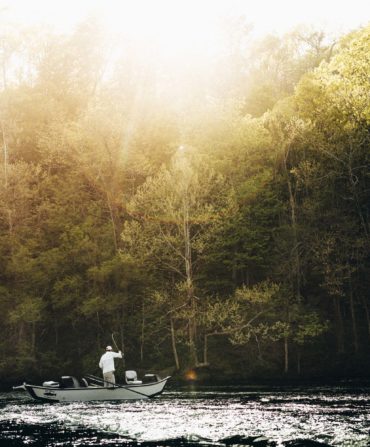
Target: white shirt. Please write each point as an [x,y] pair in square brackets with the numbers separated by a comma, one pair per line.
[107,361]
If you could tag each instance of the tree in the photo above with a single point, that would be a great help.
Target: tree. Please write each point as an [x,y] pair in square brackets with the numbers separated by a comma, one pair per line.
[171,214]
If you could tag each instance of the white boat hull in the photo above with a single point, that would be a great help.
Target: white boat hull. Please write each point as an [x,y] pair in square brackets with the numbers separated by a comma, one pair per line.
[122,392]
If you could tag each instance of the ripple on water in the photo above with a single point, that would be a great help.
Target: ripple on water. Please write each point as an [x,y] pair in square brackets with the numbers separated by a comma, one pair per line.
[196,418]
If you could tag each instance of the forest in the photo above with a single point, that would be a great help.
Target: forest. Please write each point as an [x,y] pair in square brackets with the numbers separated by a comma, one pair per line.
[214,217]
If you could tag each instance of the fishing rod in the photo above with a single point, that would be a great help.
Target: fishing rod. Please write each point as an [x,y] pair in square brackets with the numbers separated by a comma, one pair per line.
[118,349]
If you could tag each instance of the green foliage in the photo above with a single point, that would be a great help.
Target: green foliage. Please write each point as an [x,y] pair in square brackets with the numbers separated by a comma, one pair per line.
[29,310]
[239,213]
[309,327]
[259,294]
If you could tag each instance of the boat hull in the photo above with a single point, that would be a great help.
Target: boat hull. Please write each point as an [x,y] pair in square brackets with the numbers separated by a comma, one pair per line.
[122,392]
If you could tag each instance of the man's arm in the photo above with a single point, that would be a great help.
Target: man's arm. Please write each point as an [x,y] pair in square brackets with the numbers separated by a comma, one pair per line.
[117,354]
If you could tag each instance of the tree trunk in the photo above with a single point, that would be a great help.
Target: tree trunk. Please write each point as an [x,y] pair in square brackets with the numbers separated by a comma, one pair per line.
[6,157]
[234,276]
[192,329]
[113,223]
[98,331]
[33,339]
[299,362]
[353,180]
[20,334]
[6,162]
[353,318]
[293,219]
[286,355]
[205,350]
[56,331]
[174,349]
[367,313]
[338,325]
[258,346]
[3,71]
[142,337]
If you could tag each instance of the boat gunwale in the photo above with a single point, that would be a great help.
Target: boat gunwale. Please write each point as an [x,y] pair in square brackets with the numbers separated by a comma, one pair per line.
[117,387]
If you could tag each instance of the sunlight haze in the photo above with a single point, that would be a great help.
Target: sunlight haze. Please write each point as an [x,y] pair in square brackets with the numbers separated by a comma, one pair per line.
[147,16]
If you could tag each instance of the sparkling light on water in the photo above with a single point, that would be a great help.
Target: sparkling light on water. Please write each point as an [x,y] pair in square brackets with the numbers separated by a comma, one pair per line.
[339,418]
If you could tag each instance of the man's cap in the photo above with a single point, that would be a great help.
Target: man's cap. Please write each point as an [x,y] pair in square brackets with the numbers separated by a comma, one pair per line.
[108,348]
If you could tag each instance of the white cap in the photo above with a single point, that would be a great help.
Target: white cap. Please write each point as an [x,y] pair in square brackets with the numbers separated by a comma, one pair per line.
[108,348]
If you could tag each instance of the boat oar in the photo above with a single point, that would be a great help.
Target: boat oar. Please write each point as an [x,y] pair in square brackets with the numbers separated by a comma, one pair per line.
[116,385]
[95,379]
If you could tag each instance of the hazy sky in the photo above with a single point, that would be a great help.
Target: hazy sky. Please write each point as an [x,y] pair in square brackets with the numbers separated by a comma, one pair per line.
[267,15]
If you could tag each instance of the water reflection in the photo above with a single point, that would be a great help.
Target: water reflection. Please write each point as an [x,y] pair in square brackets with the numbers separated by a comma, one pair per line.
[335,417]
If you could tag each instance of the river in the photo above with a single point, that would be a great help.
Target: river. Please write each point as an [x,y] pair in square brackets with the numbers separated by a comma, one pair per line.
[292,417]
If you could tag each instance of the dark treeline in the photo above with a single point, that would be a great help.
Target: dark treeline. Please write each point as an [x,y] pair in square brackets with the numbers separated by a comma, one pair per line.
[214,217]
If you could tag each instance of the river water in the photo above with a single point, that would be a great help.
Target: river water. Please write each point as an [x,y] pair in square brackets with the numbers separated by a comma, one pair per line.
[289,417]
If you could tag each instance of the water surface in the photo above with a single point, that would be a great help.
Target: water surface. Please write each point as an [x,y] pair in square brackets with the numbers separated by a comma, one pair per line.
[260,417]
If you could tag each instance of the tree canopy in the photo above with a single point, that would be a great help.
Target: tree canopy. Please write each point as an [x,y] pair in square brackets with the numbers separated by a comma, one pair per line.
[216,223]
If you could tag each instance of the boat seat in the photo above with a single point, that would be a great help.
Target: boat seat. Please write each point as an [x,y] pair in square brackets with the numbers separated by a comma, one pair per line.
[84,383]
[131,378]
[69,382]
[51,383]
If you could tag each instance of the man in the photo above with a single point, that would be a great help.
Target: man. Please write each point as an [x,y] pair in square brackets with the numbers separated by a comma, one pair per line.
[107,365]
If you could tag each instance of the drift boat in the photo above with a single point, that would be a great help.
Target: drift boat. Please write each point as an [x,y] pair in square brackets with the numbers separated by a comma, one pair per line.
[69,389]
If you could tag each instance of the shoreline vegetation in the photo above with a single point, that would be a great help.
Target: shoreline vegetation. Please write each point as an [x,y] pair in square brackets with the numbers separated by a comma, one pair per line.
[214,221]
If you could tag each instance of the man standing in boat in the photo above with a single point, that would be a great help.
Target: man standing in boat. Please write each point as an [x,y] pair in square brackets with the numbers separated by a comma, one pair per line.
[107,365]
